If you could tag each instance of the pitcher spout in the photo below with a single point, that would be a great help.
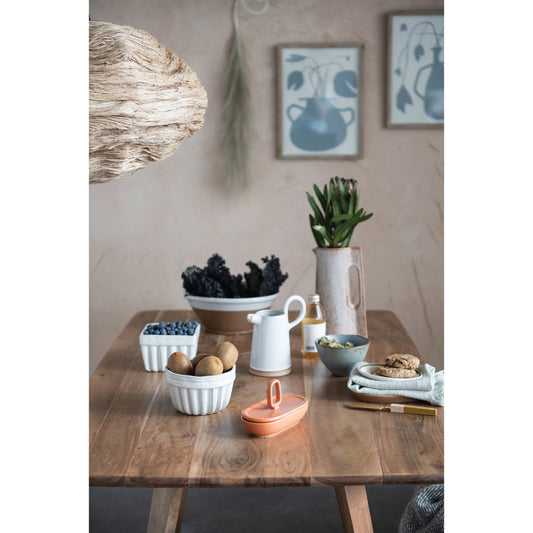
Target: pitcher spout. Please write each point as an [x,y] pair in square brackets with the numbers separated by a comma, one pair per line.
[254,318]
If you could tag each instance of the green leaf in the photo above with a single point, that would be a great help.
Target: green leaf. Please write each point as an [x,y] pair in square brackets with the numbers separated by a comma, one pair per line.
[342,196]
[344,229]
[320,242]
[335,205]
[318,214]
[341,218]
[349,224]
[321,230]
[321,197]
[351,205]
[346,241]
[340,235]
[330,194]
[318,237]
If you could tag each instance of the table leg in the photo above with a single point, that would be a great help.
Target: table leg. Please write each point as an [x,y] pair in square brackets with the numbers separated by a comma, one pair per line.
[353,505]
[166,511]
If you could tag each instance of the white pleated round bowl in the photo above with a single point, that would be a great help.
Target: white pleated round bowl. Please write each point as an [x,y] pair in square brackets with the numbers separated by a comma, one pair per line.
[200,395]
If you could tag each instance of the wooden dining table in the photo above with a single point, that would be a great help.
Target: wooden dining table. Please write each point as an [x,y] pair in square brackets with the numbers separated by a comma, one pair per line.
[138,439]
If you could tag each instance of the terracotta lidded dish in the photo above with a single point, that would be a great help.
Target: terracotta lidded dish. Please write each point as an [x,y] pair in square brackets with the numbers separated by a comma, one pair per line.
[275,414]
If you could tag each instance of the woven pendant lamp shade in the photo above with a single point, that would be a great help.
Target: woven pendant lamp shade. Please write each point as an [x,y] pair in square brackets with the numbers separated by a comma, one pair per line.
[143,101]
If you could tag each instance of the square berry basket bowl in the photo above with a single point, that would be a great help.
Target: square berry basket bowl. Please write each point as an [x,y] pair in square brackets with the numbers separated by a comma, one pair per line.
[156,349]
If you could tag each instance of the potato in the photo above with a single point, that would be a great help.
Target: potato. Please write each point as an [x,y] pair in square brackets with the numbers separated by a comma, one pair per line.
[198,358]
[228,354]
[179,363]
[209,366]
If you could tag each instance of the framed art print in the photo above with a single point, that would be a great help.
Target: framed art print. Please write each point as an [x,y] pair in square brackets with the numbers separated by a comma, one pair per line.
[415,95]
[319,101]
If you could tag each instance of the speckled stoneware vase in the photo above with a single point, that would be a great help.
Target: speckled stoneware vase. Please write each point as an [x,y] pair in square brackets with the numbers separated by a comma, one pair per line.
[345,313]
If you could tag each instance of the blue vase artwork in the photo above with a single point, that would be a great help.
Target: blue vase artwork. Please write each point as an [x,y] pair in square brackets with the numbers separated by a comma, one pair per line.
[417,62]
[320,101]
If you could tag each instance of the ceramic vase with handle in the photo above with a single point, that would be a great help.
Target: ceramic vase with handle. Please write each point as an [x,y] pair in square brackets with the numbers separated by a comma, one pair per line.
[334,277]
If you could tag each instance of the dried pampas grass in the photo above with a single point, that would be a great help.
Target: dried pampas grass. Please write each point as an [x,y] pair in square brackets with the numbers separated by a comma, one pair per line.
[237,115]
[143,101]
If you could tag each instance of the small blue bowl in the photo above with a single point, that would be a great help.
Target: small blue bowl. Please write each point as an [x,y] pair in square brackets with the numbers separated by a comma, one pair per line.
[340,361]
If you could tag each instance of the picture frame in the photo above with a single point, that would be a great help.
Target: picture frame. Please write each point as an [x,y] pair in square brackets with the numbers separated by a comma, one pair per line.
[415,69]
[319,101]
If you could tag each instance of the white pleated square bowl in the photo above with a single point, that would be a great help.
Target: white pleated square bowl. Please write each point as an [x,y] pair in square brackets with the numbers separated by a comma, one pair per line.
[200,395]
[156,349]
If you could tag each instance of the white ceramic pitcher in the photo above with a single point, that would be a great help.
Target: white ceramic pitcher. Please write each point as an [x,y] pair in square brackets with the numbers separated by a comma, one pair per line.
[271,348]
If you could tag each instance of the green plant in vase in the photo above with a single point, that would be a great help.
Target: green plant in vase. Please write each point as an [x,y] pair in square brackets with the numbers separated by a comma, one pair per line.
[336,213]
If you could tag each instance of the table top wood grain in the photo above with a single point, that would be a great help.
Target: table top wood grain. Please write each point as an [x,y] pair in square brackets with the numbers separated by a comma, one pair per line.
[138,439]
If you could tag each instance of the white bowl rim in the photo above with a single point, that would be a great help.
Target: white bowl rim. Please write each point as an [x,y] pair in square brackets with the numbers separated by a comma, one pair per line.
[209,303]
[258,299]
[170,340]
[184,380]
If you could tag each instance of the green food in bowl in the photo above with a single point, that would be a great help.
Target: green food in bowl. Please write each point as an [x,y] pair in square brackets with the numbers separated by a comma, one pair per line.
[334,343]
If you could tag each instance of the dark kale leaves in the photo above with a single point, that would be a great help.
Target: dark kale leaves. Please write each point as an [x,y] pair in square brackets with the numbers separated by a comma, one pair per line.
[215,280]
[273,278]
[217,270]
[195,281]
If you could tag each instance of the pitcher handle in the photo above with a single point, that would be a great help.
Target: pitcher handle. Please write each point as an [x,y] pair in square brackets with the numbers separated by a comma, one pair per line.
[300,317]
[360,308]
[351,111]
[293,106]
[415,85]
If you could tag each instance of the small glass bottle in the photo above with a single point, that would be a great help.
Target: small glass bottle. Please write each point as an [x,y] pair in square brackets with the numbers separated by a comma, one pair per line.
[313,326]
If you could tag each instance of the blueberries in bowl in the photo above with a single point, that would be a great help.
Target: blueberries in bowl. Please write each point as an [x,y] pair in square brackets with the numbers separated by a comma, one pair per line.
[171,328]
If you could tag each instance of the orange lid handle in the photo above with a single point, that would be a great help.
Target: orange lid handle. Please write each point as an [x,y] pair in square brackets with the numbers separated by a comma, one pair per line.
[274,404]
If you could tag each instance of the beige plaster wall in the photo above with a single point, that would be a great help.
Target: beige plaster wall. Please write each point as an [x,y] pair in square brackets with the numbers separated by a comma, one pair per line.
[148,227]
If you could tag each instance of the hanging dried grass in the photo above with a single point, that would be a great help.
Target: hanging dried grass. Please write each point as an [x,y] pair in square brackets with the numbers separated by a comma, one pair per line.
[237,106]
[143,101]
[237,114]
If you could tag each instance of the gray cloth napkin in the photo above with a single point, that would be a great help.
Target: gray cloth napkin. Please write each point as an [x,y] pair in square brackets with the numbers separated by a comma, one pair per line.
[429,387]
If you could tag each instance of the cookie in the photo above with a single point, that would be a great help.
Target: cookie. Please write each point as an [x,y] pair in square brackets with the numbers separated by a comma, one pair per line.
[402,360]
[391,372]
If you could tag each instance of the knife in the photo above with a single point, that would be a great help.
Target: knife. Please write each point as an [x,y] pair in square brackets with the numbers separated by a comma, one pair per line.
[395,408]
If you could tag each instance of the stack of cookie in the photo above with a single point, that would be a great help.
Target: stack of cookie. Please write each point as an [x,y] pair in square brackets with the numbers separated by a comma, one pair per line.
[399,365]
